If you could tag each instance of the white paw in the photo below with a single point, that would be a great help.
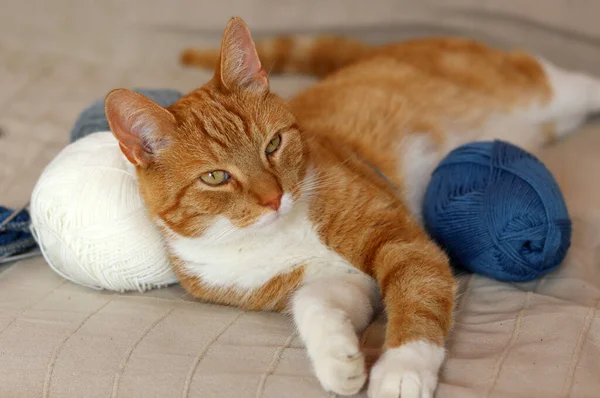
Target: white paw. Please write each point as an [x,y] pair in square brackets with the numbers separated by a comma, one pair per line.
[339,363]
[409,371]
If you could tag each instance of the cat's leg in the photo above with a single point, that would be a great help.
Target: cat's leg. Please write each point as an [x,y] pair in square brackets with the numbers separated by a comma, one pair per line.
[328,313]
[575,95]
[418,294]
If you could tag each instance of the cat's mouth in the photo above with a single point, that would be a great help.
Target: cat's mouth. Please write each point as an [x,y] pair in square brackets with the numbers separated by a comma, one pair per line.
[267,219]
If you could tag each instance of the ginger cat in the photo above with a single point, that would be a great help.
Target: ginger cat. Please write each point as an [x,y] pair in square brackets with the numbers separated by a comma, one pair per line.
[274,205]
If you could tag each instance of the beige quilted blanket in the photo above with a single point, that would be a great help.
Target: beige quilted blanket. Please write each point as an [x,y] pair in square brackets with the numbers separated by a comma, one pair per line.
[57,339]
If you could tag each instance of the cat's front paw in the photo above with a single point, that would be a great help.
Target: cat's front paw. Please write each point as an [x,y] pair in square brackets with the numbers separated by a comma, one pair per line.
[409,371]
[340,365]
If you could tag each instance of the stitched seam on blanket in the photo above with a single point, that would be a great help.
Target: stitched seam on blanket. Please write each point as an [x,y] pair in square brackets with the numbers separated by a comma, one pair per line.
[54,358]
[585,330]
[513,339]
[118,376]
[203,351]
[260,388]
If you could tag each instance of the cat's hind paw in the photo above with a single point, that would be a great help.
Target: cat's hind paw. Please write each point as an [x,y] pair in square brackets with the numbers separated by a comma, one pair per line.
[409,371]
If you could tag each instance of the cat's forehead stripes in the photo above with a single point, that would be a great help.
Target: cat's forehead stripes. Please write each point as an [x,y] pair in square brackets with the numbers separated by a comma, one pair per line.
[208,129]
[232,113]
[220,119]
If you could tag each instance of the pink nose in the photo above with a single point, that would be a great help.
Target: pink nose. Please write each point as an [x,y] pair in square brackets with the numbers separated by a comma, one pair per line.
[274,202]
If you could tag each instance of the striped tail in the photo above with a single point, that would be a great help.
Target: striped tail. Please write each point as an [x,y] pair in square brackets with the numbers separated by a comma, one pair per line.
[320,55]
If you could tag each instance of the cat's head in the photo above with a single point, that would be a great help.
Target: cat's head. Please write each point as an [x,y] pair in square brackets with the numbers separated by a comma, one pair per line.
[229,152]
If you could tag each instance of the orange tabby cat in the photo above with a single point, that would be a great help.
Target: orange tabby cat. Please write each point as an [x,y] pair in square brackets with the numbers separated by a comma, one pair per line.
[273,205]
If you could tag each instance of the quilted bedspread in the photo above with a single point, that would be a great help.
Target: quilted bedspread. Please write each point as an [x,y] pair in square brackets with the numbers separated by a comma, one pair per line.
[57,339]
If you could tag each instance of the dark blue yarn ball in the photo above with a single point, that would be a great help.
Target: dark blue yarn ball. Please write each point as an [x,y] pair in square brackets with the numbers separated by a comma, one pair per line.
[497,211]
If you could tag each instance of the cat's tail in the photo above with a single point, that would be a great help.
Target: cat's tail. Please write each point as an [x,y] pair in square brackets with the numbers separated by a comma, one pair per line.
[314,55]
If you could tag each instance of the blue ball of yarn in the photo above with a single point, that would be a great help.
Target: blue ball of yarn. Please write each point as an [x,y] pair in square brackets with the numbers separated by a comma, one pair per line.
[497,211]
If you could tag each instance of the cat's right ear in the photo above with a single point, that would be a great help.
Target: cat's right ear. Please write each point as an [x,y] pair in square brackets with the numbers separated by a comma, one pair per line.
[139,124]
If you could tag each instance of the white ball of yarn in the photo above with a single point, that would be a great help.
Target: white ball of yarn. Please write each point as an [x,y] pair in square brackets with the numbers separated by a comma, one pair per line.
[90,222]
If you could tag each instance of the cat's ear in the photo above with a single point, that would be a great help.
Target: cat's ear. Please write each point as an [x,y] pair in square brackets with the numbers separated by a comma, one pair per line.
[239,66]
[139,124]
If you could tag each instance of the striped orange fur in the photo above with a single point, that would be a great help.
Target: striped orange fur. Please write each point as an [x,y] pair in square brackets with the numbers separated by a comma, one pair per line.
[299,219]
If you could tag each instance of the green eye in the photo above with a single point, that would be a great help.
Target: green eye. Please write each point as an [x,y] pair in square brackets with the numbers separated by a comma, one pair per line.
[215,178]
[273,145]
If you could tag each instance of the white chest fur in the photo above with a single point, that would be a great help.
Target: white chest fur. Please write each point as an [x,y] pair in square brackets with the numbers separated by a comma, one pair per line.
[226,256]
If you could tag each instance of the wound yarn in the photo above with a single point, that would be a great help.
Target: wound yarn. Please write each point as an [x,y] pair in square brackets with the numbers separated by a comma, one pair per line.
[15,236]
[90,222]
[497,211]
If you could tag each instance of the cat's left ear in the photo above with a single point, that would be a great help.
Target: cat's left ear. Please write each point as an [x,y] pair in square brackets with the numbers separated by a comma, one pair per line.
[239,66]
